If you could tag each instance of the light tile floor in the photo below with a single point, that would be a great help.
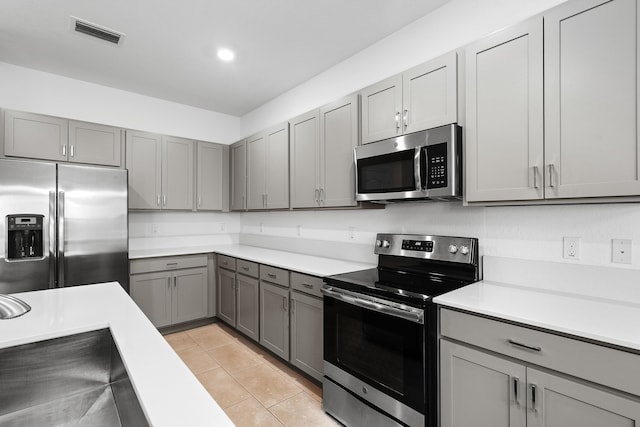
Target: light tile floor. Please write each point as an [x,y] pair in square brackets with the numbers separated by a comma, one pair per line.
[251,385]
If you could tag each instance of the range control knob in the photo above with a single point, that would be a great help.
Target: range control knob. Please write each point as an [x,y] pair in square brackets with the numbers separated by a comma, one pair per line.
[385,244]
[464,250]
[379,243]
[453,249]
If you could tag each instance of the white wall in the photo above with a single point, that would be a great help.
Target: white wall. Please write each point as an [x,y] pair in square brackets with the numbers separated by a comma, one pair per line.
[39,92]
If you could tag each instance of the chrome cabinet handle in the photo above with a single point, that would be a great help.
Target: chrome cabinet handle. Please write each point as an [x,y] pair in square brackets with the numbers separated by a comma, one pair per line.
[64,151]
[322,195]
[199,201]
[157,200]
[175,281]
[405,119]
[273,276]
[307,285]
[285,305]
[72,151]
[293,307]
[164,200]
[168,282]
[534,397]
[245,268]
[535,177]
[516,385]
[317,196]
[524,346]
[398,121]
[551,170]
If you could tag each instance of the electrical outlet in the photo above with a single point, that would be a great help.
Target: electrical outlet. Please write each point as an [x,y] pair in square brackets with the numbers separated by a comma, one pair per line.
[154,229]
[571,247]
[298,230]
[621,251]
[352,233]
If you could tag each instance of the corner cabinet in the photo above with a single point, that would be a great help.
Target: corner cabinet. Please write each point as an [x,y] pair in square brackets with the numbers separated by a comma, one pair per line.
[321,153]
[171,290]
[420,98]
[268,169]
[212,171]
[531,378]
[552,106]
[37,136]
[161,171]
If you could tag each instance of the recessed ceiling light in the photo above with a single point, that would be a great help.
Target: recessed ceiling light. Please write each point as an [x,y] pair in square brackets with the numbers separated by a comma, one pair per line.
[226,54]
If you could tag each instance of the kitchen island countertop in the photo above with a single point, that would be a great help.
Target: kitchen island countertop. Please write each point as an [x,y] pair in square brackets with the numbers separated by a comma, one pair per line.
[168,392]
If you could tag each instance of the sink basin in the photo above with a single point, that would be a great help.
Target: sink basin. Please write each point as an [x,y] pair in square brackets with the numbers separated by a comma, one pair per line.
[76,380]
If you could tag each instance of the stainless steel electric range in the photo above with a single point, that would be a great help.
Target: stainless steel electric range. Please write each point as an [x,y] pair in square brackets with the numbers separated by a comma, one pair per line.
[380,330]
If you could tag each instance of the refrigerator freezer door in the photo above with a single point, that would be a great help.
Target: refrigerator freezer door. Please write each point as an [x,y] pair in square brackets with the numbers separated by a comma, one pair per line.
[92,226]
[27,188]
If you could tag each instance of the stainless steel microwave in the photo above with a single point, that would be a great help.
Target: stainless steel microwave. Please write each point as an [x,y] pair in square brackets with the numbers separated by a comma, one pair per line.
[425,165]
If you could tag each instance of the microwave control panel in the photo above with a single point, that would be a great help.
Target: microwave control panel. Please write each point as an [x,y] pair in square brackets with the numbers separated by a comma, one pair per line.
[436,166]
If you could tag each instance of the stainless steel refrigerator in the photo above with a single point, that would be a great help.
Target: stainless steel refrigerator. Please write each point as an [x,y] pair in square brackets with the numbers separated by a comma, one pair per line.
[61,225]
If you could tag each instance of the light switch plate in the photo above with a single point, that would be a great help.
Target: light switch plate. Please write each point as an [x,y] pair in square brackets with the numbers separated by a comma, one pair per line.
[621,251]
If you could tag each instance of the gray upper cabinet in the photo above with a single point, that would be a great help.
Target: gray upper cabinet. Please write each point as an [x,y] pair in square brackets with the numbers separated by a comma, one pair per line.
[94,144]
[144,162]
[212,177]
[338,138]
[321,152]
[238,153]
[420,98]
[177,173]
[591,99]
[305,160]
[268,169]
[555,119]
[504,115]
[161,171]
[51,138]
[381,107]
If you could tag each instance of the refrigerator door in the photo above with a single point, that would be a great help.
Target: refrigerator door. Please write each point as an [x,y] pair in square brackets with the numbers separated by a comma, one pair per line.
[93,242]
[27,189]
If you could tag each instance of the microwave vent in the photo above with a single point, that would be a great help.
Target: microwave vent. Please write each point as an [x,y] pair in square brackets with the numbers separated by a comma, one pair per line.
[96,31]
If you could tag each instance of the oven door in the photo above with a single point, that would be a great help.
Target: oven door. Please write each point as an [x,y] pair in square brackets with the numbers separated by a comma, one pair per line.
[380,344]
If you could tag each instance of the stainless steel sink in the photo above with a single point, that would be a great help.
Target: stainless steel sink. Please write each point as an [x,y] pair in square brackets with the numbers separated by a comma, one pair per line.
[77,380]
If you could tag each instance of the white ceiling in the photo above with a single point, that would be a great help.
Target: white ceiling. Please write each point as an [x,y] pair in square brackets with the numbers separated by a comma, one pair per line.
[169,50]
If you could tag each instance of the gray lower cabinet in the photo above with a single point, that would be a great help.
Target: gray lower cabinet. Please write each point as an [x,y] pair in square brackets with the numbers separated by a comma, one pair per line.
[227,295]
[306,324]
[274,317]
[247,307]
[492,388]
[171,290]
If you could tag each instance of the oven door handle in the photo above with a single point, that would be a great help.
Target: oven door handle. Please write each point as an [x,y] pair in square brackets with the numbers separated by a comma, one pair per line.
[411,314]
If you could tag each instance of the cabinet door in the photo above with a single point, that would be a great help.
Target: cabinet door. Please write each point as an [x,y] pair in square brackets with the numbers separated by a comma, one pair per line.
[560,402]
[239,176]
[189,299]
[35,136]
[306,334]
[256,172]
[381,110]
[430,94]
[144,162]
[152,293]
[94,144]
[478,389]
[210,176]
[227,296]
[247,306]
[277,167]
[591,99]
[504,113]
[304,155]
[177,173]
[274,319]
[338,136]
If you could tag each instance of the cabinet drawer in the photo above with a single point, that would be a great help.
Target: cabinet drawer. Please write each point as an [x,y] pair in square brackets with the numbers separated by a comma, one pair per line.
[227,262]
[147,265]
[274,275]
[593,362]
[307,284]
[248,268]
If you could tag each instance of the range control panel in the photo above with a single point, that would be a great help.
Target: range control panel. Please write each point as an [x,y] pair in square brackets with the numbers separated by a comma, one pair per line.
[417,245]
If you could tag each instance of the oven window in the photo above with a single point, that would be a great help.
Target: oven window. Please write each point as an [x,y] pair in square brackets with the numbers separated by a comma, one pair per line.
[387,173]
[380,349]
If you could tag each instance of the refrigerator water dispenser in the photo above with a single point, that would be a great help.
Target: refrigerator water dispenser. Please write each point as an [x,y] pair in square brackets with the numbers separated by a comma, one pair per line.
[24,237]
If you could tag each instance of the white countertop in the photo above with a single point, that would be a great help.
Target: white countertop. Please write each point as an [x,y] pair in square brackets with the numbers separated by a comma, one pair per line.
[586,315]
[307,264]
[168,392]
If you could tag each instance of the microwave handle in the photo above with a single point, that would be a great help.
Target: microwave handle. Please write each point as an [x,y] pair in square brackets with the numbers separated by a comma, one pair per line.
[417,167]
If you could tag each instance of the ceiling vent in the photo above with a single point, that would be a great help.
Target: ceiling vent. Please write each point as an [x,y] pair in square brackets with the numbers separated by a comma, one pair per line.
[96,31]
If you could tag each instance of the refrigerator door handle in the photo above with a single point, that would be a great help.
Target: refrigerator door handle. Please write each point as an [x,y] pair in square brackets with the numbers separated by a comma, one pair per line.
[61,239]
[52,239]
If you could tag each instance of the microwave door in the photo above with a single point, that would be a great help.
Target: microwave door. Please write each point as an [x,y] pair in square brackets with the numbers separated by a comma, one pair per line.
[389,176]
